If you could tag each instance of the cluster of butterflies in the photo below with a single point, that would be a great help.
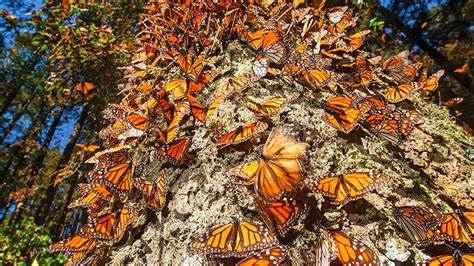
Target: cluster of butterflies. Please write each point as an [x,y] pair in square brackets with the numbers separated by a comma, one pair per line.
[169,93]
[426,226]
[278,181]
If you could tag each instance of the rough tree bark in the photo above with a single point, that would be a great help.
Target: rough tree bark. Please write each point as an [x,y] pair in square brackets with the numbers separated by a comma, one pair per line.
[432,168]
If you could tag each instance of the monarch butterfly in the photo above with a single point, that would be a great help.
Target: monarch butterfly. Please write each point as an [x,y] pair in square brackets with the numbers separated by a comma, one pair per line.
[175,150]
[166,106]
[211,110]
[117,154]
[343,113]
[176,88]
[208,76]
[128,216]
[266,257]
[279,215]
[352,251]
[192,66]
[323,248]
[394,127]
[117,176]
[280,170]
[316,78]
[241,134]
[75,244]
[87,147]
[233,85]
[267,107]
[352,42]
[399,69]
[457,259]
[348,187]
[95,197]
[138,121]
[154,191]
[246,172]
[102,228]
[467,219]
[377,106]
[145,88]
[235,239]
[431,83]
[274,48]
[197,109]
[417,222]
[401,92]
[181,109]
[85,87]
[259,67]
[453,228]
[255,39]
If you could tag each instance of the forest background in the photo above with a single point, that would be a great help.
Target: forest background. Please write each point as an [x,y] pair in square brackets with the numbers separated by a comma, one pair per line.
[52,52]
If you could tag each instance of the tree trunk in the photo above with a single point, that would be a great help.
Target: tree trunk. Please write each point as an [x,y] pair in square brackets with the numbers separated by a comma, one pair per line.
[8,101]
[38,161]
[42,211]
[18,114]
[57,230]
[441,60]
[15,149]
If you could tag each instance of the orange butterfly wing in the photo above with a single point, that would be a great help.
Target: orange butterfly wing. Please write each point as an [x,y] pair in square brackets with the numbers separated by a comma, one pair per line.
[102,228]
[453,230]
[266,257]
[118,176]
[432,82]
[342,114]
[279,215]
[348,188]
[75,244]
[197,109]
[266,108]
[176,150]
[176,88]
[154,191]
[246,172]
[241,134]
[353,251]
[127,217]
[401,92]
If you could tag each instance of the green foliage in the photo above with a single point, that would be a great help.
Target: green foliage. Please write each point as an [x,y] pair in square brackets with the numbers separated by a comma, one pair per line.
[25,243]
